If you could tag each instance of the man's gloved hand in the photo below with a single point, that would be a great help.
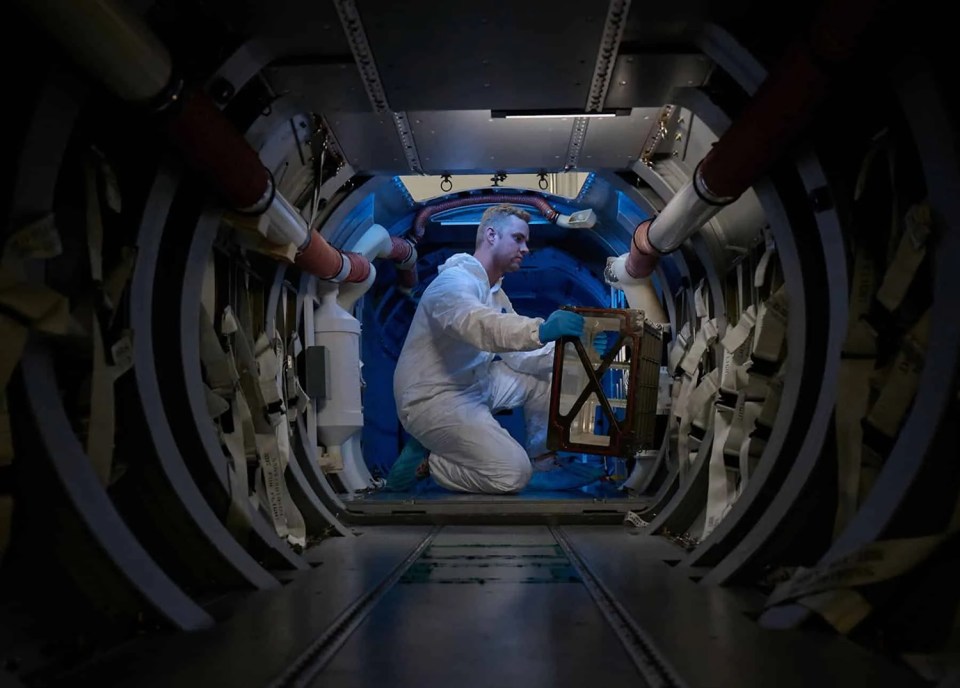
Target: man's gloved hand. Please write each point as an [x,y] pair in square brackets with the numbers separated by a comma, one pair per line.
[561,324]
[603,342]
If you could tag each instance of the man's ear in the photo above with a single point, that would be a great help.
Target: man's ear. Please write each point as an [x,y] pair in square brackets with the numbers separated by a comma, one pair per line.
[491,234]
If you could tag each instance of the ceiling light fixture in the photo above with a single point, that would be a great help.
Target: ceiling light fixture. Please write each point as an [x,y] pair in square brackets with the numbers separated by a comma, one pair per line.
[554,114]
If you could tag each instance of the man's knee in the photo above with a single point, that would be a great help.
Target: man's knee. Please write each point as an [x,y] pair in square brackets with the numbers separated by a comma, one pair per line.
[514,479]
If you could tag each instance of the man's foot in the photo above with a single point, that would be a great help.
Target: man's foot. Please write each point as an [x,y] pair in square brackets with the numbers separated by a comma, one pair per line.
[405,470]
[423,470]
[564,475]
[545,462]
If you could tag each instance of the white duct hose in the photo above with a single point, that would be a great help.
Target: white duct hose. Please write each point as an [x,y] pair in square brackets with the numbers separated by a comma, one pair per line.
[639,291]
[350,292]
[374,243]
[685,214]
[133,63]
[582,219]
[285,224]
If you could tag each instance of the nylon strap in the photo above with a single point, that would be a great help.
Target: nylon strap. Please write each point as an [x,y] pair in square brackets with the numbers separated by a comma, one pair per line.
[24,307]
[856,368]
[771,327]
[875,562]
[854,390]
[722,483]
[706,335]
[6,459]
[700,305]
[681,410]
[664,392]
[736,336]
[296,399]
[37,240]
[770,248]
[843,609]
[827,590]
[680,345]
[898,392]
[736,351]
[732,421]
[259,380]
[910,253]
[746,458]
[101,425]
[242,446]
[771,403]
[697,414]
[700,404]
[223,394]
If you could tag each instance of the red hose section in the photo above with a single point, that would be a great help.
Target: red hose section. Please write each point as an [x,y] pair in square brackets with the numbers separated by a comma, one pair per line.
[323,260]
[401,251]
[420,222]
[211,144]
[359,267]
[408,278]
[786,100]
[319,258]
[643,257]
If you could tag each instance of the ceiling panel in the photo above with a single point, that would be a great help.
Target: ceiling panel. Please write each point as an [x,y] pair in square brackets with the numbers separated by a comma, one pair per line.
[648,80]
[666,23]
[369,142]
[324,88]
[294,27]
[484,55]
[616,142]
[470,140]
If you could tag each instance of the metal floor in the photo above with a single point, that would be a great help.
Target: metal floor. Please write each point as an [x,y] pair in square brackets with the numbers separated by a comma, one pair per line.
[469,606]
[598,503]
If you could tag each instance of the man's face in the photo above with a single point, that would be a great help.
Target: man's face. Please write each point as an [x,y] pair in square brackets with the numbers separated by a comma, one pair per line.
[510,247]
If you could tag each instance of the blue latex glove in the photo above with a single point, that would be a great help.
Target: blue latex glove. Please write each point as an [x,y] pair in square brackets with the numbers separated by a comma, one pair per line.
[603,342]
[561,324]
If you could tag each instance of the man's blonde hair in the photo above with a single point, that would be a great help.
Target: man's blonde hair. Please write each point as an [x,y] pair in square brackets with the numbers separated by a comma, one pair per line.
[495,216]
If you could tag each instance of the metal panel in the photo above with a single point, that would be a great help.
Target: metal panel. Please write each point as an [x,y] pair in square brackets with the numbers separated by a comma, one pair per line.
[534,54]
[667,23]
[615,142]
[484,607]
[471,141]
[708,623]
[369,141]
[329,87]
[271,633]
[648,80]
[293,27]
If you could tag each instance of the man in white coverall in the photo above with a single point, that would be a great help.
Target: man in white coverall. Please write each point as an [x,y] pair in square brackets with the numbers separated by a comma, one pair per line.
[447,384]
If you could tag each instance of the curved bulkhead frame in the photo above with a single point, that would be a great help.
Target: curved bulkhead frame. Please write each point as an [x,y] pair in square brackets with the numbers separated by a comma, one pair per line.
[162,534]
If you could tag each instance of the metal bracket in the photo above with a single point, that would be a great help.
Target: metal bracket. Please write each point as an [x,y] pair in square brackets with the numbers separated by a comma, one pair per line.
[607,55]
[406,140]
[656,136]
[360,47]
[577,135]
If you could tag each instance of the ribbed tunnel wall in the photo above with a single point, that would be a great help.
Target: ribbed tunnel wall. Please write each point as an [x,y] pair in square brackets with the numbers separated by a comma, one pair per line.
[158,540]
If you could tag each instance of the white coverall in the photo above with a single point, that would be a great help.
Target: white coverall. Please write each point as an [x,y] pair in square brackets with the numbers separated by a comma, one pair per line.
[447,383]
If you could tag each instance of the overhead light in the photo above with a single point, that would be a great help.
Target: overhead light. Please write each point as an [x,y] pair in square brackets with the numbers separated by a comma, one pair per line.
[555,114]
